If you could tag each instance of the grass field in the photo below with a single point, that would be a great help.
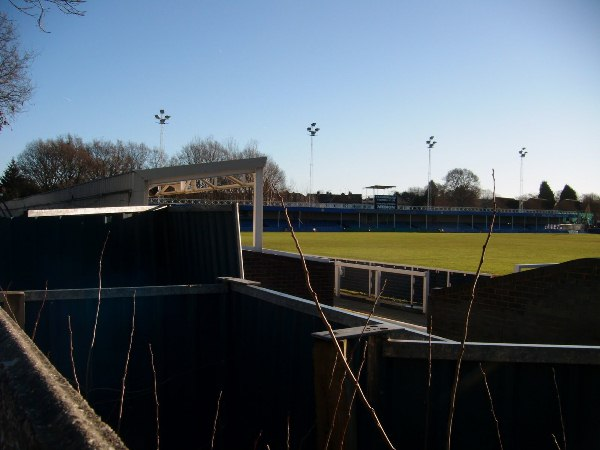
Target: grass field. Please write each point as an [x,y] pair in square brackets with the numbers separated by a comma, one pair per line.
[456,251]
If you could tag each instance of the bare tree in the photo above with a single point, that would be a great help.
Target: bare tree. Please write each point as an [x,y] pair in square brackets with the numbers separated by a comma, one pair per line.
[274,177]
[56,164]
[200,151]
[66,161]
[208,150]
[112,159]
[461,187]
[38,8]
[591,204]
[413,196]
[15,85]
[120,157]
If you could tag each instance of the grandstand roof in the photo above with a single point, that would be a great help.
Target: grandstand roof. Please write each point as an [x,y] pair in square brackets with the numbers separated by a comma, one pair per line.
[379,186]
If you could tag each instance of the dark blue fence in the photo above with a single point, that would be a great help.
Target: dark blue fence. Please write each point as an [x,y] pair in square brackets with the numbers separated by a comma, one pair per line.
[253,349]
[175,245]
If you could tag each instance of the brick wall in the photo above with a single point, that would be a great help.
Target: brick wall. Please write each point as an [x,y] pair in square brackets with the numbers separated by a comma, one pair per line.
[557,304]
[284,273]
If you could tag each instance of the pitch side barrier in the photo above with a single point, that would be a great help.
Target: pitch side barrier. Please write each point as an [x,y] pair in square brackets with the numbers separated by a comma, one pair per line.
[408,286]
[362,206]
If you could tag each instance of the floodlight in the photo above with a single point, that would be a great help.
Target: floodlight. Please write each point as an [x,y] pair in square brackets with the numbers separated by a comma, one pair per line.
[162,120]
[312,132]
[430,143]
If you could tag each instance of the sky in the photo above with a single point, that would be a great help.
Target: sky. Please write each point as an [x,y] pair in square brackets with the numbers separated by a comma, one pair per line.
[485,77]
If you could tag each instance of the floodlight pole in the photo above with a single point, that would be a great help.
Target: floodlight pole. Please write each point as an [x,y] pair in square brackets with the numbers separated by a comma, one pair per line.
[162,120]
[430,143]
[312,131]
[522,153]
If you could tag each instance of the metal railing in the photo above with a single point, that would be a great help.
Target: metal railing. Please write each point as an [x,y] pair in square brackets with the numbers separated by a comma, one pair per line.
[388,282]
[405,285]
[358,206]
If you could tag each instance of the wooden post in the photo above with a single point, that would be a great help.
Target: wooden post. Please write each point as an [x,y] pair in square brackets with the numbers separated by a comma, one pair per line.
[328,374]
[15,307]
[374,359]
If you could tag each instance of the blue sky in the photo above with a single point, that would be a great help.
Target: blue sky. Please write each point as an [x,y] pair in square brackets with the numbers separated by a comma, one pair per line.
[485,77]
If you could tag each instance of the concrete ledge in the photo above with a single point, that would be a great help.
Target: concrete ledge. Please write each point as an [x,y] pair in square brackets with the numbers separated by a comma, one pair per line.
[38,408]
[497,352]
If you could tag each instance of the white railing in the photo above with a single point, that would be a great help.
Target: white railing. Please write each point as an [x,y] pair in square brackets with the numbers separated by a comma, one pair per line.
[357,206]
[375,286]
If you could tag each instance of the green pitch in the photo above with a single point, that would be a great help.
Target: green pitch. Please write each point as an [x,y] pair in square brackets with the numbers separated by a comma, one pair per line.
[456,251]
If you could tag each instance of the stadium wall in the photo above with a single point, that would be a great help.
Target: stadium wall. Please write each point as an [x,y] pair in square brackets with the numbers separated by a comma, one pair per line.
[284,273]
[556,304]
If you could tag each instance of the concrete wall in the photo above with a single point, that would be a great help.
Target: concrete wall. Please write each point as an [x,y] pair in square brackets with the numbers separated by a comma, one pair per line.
[557,304]
[284,273]
[38,408]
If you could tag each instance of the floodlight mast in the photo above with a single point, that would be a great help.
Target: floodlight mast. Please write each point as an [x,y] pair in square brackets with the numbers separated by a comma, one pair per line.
[430,143]
[162,120]
[312,131]
[522,153]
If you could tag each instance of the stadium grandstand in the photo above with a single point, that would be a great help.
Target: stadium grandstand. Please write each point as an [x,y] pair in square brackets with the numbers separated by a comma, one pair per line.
[353,212]
[332,216]
[327,217]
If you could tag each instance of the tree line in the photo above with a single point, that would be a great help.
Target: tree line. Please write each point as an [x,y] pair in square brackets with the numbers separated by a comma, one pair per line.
[59,163]
[461,188]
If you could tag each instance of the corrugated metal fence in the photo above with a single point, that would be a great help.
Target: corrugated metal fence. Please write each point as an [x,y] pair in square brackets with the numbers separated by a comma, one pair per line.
[256,350]
[175,245]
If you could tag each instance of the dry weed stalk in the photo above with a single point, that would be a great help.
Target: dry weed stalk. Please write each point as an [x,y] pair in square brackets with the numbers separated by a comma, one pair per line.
[562,423]
[99,291]
[428,395]
[305,437]
[288,432]
[556,442]
[39,314]
[155,398]
[327,324]
[463,342]
[257,439]
[489,393]
[7,305]
[360,368]
[71,353]
[332,371]
[349,411]
[89,359]
[126,365]
[214,433]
